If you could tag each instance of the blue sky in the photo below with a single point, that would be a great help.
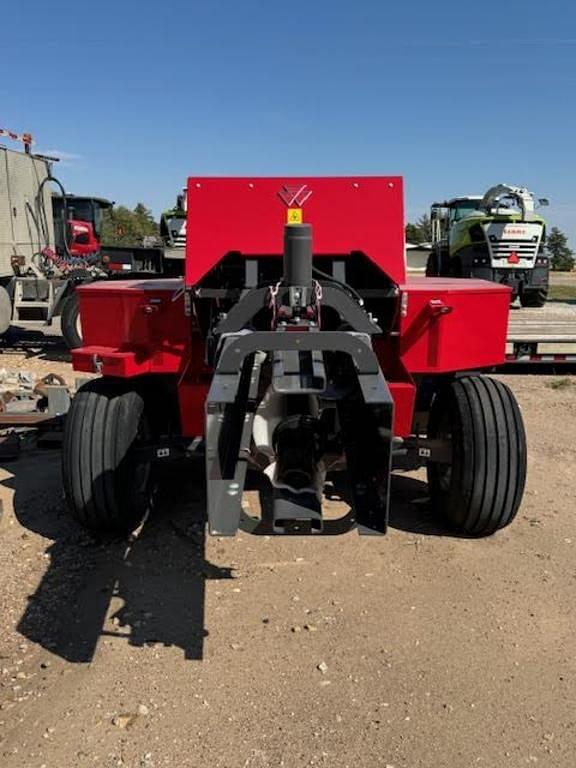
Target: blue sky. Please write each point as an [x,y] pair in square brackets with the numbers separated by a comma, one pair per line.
[454,96]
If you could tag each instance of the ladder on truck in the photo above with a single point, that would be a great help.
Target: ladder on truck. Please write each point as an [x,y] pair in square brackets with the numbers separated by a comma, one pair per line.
[35,300]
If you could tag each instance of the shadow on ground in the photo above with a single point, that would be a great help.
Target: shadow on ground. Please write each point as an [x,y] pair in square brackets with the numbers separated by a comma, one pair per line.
[158,576]
[34,344]
[410,508]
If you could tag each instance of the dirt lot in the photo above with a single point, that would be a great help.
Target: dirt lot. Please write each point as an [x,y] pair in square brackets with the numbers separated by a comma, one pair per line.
[414,650]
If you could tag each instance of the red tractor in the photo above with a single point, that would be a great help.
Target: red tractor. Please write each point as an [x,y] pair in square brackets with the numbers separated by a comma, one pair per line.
[295,348]
[80,220]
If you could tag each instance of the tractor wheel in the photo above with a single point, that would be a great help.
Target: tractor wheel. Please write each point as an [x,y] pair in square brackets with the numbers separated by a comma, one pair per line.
[481,489]
[70,324]
[5,310]
[455,267]
[535,298]
[108,488]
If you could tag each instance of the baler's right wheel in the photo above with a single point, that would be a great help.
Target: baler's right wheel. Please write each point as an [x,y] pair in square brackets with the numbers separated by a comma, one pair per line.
[107,486]
[481,489]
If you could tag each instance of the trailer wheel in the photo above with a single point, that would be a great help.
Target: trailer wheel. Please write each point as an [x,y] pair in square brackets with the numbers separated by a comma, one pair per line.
[107,487]
[481,489]
[5,310]
[534,298]
[70,323]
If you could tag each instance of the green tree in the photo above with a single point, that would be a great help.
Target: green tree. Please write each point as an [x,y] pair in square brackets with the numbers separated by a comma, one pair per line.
[420,232]
[121,226]
[562,257]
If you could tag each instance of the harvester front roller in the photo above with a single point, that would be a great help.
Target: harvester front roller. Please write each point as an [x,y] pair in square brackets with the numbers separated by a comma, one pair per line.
[479,491]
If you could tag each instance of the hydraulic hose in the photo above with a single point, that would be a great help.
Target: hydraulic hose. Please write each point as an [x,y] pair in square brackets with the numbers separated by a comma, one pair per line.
[66,262]
[64,218]
[341,283]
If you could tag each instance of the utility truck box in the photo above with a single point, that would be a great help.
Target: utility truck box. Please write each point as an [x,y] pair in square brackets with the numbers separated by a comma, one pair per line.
[26,220]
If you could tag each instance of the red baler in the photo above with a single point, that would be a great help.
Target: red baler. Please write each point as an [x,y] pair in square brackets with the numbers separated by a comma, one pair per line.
[295,348]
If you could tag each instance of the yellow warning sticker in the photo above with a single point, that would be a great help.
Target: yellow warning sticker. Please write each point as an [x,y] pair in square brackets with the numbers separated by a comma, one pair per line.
[294,216]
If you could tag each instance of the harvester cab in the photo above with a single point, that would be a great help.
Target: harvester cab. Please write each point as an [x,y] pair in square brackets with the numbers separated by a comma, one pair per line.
[298,360]
[173,228]
[497,236]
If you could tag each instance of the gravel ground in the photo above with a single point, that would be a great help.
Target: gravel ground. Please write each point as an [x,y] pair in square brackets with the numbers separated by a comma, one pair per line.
[416,650]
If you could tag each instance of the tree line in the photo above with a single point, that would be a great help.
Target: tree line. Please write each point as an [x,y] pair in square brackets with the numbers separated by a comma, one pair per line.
[125,226]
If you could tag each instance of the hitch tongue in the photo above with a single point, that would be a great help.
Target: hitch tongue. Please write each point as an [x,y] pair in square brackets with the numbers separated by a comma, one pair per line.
[296,512]
[297,475]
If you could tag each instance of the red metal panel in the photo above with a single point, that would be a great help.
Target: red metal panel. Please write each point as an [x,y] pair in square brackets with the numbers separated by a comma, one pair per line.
[136,327]
[191,399]
[110,362]
[404,396]
[142,314]
[453,325]
[141,324]
[363,213]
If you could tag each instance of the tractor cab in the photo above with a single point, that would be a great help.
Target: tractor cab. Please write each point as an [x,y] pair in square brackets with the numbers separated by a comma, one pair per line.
[79,220]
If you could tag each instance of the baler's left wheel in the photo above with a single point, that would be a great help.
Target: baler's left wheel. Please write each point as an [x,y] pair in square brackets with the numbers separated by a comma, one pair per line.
[481,489]
[108,486]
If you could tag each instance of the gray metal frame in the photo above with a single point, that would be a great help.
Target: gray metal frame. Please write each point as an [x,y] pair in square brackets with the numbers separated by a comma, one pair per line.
[258,298]
[366,420]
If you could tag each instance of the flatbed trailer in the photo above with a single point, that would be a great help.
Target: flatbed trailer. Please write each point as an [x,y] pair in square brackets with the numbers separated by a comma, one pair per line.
[545,346]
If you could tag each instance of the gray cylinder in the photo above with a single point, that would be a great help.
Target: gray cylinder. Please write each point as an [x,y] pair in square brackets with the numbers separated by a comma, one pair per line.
[298,255]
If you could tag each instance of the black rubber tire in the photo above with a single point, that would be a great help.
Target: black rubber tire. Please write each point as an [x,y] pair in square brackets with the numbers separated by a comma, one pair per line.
[5,310]
[455,268]
[481,490]
[70,321]
[536,298]
[107,490]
